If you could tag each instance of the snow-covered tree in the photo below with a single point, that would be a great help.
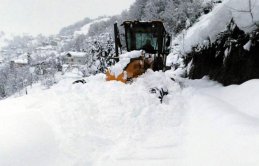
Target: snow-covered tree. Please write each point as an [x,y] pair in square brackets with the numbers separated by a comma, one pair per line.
[136,11]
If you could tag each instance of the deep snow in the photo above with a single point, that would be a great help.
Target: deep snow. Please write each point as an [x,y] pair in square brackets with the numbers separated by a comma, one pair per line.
[125,58]
[208,26]
[110,123]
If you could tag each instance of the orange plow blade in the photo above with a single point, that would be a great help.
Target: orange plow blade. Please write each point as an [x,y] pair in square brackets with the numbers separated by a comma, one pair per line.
[111,77]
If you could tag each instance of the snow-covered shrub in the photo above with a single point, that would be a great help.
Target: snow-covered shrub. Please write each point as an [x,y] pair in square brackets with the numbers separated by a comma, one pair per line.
[160,93]
[232,59]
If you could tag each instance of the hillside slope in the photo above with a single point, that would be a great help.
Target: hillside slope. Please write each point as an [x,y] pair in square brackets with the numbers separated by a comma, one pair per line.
[110,123]
[222,45]
[85,29]
[244,14]
[69,30]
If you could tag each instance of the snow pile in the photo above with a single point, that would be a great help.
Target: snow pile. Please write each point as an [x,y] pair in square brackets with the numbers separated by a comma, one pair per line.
[206,29]
[111,123]
[223,125]
[26,138]
[118,68]
[210,25]
[85,29]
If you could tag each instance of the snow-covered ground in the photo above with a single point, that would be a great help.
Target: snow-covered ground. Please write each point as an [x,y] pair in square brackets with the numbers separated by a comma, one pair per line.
[110,123]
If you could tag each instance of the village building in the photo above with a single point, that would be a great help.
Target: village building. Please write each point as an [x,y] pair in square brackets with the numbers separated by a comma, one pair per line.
[45,49]
[22,60]
[74,58]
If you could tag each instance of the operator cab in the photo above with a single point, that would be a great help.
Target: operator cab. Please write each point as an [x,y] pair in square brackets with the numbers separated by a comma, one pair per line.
[149,36]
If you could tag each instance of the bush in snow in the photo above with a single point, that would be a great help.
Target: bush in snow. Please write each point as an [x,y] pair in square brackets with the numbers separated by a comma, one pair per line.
[232,59]
[161,93]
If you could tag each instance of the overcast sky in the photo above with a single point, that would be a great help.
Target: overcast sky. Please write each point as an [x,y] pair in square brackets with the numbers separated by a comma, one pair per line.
[48,16]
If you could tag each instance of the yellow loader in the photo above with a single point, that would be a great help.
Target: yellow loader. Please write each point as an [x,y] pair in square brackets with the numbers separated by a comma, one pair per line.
[147,44]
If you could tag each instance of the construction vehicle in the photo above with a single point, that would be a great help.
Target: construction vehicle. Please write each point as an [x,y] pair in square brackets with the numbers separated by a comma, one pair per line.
[152,38]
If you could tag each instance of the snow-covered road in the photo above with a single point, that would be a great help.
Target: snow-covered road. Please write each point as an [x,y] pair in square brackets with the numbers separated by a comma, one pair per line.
[110,123]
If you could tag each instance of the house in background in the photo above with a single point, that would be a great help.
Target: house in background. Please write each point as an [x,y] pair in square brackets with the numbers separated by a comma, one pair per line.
[21,61]
[43,50]
[74,58]
[18,63]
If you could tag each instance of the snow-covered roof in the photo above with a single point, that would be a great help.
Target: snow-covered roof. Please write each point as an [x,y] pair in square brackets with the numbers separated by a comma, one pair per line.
[49,47]
[76,54]
[21,61]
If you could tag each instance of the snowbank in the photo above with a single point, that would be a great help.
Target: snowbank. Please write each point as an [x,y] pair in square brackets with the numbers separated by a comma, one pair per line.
[231,133]
[216,21]
[25,137]
[111,123]
[208,27]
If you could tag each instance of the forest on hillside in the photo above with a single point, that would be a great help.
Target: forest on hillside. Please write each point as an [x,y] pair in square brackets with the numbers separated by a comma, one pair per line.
[176,14]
